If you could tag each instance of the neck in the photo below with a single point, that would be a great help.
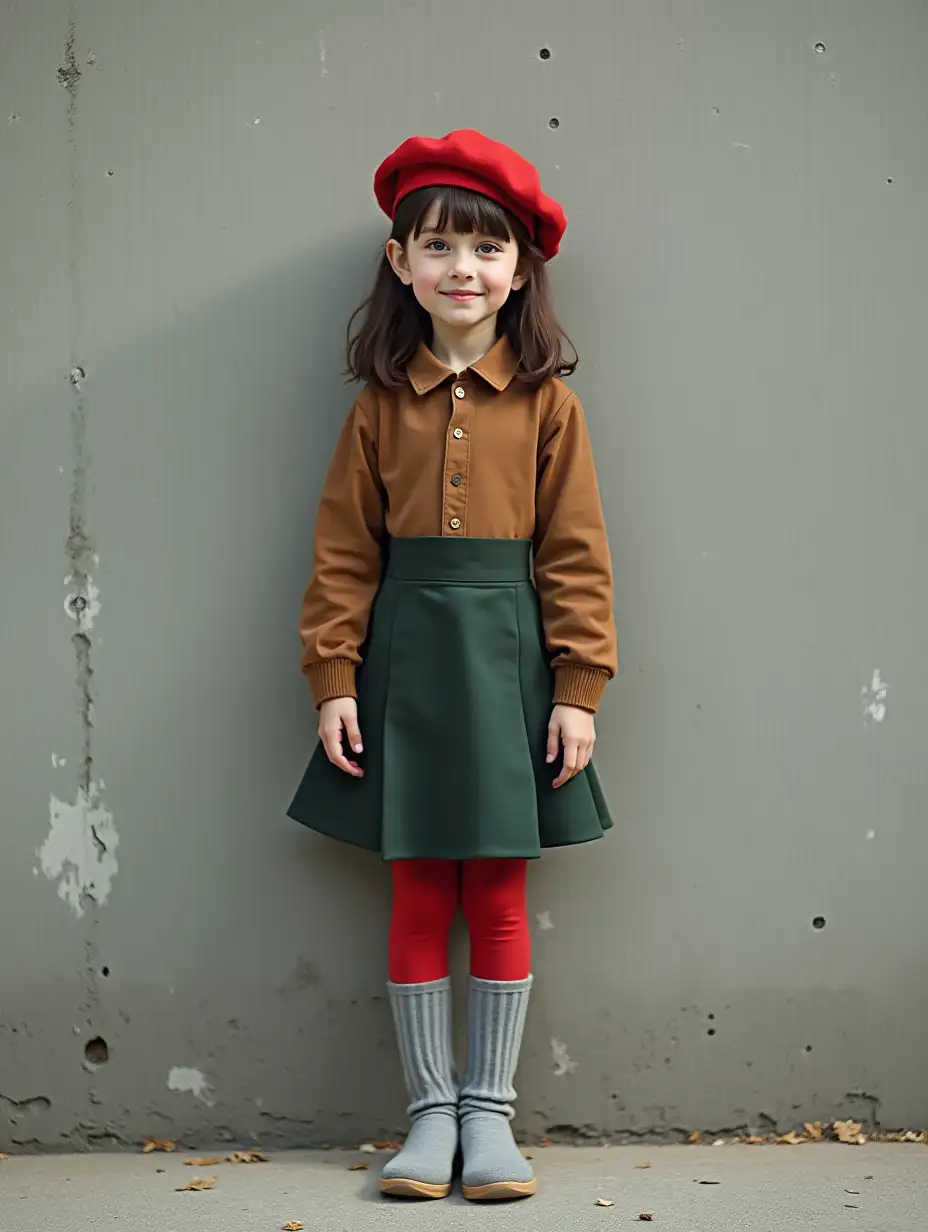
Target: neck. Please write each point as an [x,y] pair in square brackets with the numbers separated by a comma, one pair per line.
[459,348]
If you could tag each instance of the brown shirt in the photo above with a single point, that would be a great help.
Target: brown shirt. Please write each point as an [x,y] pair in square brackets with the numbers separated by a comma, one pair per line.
[479,455]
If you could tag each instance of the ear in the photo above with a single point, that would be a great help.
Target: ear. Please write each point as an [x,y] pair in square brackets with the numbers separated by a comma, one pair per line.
[521,276]
[396,255]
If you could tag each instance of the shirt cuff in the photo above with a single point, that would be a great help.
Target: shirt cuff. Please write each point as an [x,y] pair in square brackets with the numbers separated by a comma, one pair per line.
[331,678]
[579,686]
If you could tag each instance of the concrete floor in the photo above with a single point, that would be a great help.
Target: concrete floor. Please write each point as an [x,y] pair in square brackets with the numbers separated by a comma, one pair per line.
[760,1189]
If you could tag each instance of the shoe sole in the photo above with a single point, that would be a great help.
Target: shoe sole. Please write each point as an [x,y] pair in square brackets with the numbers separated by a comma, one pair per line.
[500,1191]
[398,1188]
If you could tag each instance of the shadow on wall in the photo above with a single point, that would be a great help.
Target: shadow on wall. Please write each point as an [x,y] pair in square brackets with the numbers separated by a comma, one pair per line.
[206,441]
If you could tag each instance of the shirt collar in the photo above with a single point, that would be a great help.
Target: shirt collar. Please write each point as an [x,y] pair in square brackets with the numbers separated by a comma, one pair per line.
[497,367]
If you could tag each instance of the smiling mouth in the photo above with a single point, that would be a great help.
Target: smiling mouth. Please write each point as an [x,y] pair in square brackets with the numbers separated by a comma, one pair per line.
[461,295]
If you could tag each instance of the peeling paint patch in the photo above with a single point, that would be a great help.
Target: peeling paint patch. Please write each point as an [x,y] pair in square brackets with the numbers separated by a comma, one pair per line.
[874,699]
[82,602]
[563,1065]
[79,852]
[182,1078]
[545,923]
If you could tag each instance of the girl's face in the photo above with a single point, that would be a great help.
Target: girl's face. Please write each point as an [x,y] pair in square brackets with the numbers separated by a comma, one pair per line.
[461,280]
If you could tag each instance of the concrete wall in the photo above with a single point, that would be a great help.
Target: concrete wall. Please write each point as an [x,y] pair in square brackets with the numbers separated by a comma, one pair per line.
[187,222]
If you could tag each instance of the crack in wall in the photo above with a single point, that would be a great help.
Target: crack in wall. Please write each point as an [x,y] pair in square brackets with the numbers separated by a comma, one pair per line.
[69,75]
[86,836]
[32,1103]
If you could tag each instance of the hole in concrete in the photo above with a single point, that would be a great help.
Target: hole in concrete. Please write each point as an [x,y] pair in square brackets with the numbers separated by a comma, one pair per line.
[820,48]
[808,1047]
[711,1031]
[554,122]
[97,1052]
[545,53]
[105,972]
[712,1018]
[819,922]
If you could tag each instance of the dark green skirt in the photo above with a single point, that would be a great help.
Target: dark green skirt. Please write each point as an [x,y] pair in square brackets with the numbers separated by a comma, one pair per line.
[454,698]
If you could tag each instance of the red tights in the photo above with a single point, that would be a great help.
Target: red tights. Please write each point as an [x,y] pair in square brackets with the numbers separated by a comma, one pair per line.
[426,894]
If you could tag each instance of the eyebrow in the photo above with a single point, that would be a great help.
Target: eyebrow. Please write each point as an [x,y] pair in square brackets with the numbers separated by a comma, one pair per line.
[485,235]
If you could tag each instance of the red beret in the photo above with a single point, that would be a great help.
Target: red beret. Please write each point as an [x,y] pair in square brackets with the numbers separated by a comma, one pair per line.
[468,159]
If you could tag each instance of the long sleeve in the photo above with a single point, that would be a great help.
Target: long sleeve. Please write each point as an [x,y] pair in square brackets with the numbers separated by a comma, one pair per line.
[573,571]
[349,531]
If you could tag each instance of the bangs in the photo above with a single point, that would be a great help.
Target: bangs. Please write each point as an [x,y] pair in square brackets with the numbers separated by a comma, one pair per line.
[459,209]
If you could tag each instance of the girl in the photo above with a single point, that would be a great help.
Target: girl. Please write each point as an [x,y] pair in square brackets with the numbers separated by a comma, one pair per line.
[458,631]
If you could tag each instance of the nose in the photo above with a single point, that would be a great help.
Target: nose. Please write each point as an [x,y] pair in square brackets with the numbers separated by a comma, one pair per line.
[462,266]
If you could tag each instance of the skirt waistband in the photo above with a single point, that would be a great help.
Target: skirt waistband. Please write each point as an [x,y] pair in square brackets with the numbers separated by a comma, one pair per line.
[440,559]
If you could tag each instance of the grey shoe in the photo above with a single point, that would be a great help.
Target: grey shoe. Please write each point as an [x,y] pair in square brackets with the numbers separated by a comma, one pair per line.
[494,1167]
[422,1016]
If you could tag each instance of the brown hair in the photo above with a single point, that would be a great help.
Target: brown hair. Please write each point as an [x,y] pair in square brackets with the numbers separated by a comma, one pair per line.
[394,322]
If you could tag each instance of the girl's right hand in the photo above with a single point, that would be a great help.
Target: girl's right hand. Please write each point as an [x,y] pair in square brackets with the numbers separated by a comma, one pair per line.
[341,714]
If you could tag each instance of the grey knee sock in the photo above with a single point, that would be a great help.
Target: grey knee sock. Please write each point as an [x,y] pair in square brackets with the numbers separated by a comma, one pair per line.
[422,1016]
[496,1020]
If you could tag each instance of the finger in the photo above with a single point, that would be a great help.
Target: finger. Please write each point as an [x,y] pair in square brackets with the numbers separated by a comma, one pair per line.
[569,768]
[587,757]
[332,741]
[353,732]
[553,743]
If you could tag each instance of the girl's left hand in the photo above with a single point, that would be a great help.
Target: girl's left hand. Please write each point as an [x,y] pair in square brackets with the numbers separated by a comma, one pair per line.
[576,731]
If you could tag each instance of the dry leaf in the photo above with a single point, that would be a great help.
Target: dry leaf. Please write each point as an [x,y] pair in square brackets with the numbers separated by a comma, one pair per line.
[646,1218]
[545,1142]
[849,1133]
[2,1156]
[791,1139]
[293,1226]
[604,1202]
[753,1141]
[527,1156]
[642,1165]
[367,1148]
[387,1146]
[695,1137]
[157,1144]
[247,1157]
[197,1184]
[814,1130]
[358,1167]
[204,1161]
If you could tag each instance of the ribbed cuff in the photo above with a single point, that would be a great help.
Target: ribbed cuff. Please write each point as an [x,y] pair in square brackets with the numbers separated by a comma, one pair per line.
[331,678]
[579,686]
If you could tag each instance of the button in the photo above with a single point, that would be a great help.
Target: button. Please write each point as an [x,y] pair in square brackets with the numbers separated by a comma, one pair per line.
[457,480]
[458,433]
[455,523]
[459,391]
